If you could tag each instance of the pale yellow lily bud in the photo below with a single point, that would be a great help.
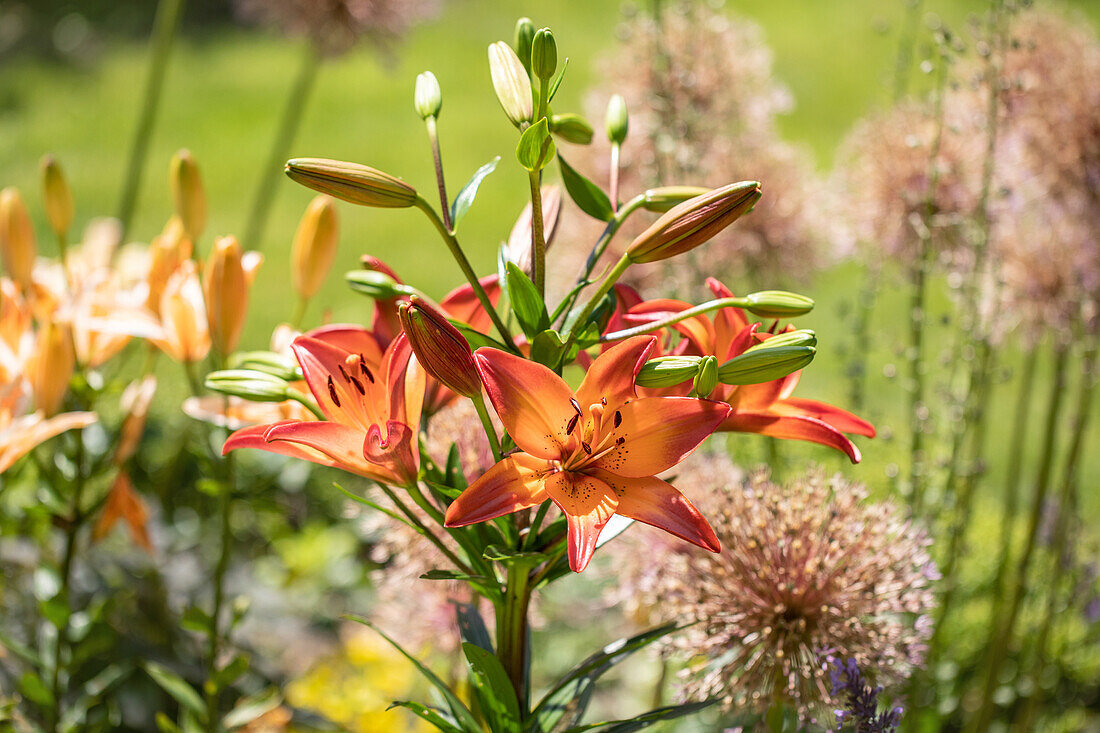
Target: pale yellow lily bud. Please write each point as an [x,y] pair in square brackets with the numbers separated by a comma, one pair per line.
[58,196]
[351,182]
[54,362]
[511,83]
[314,247]
[17,247]
[185,335]
[163,260]
[188,193]
[225,290]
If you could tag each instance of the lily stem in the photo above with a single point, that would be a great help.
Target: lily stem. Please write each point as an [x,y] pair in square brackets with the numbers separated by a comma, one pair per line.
[683,315]
[225,507]
[604,289]
[490,430]
[512,630]
[538,236]
[437,159]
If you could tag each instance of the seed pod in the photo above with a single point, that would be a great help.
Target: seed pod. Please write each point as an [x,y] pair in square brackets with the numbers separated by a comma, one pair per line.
[664,198]
[351,182]
[511,83]
[440,348]
[17,247]
[57,196]
[544,55]
[54,362]
[525,34]
[188,193]
[572,128]
[314,247]
[778,304]
[427,96]
[685,226]
[668,371]
[225,291]
[617,120]
[765,365]
[249,384]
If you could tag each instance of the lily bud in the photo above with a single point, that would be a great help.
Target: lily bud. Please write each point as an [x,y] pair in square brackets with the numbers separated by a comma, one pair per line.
[525,34]
[668,371]
[427,96]
[778,304]
[188,193]
[17,248]
[511,83]
[225,291]
[800,337]
[54,362]
[707,378]
[617,120]
[351,182]
[440,348]
[756,366]
[267,362]
[165,255]
[685,226]
[544,55]
[57,195]
[251,385]
[664,198]
[377,285]
[314,247]
[572,128]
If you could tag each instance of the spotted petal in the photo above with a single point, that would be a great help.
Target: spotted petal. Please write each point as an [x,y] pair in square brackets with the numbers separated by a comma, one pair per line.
[587,504]
[791,427]
[659,504]
[339,443]
[612,375]
[512,484]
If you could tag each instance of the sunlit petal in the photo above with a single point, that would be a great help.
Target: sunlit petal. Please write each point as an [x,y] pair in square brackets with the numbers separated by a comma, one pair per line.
[587,504]
[612,375]
[512,484]
[791,427]
[842,420]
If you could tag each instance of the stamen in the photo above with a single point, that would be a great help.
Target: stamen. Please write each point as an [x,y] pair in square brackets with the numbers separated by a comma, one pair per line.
[587,448]
[358,385]
[363,368]
[618,418]
[576,405]
[332,391]
[603,401]
[572,424]
[344,374]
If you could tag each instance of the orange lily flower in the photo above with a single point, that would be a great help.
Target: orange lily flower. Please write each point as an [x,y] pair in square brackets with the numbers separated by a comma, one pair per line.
[593,452]
[126,504]
[372,401]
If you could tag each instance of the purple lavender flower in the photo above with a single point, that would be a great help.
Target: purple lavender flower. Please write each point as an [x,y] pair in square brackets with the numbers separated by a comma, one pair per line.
[860,699]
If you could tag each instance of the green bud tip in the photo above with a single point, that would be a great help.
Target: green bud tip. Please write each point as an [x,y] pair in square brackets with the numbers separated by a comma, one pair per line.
[707,377]
[668,371]
[377,285]
[544,54]
[778,304]
[525,34]
[572,128]
[427,96]
[511,83]
[757,366]
[247,383]
[617,120]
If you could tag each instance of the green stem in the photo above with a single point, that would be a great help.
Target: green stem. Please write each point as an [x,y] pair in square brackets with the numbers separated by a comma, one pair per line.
[861,342]
[605,287]
[291,119]
[645,328]
[437,160]
[512,631]
[490,430]
[614,188]
[464,264]
[165,26]
[538,236]
[423,530]
[904,63]
[214,648]
[299,313]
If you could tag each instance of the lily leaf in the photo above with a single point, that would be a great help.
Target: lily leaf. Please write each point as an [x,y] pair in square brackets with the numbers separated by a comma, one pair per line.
[556,81]
[494,690]
[252,707]
[527,304]
[503,554]
[466,196]
[546,348]
[536,147]
[585,194]
[431,715]
[471,627]
[645,720]
[476,339]
[441,574]
[177,687]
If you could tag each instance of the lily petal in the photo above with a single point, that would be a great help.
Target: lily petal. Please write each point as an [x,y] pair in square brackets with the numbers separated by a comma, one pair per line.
[462,305]
[791,427]
[350,338]
[656,433]
[323,365]
[842,420]
[534,404]
[659,504]
[27,432]
[512,484]
[339,443]
[398,452]
[612,375]
[587,504]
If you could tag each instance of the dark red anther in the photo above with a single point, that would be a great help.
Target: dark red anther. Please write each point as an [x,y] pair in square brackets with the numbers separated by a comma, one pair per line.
[572,424]
[332,391]
[363,368]
[587,447]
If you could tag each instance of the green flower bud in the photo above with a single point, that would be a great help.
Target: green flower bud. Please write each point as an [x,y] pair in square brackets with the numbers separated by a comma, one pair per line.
[267,362]
[664,198]
[427,96]
[377,285]
[758,365]
[351,182]
[668,371]
[251,385]
[58,196]
[525,34]
[618,123]
[571,128]
[707,378]
[188,193]
[801,337]
[511,83]
[544,55]
[778,304]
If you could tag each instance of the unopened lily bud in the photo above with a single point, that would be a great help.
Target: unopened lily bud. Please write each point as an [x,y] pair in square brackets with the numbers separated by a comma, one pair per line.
[511,83]
[707,378]
[251,385]
[664,198]
[57,196]
[668,371]
[54,362]
[188,193]
[314,247]
[688,225]
[377,285]
[225,291]
[765,365]
[778,304]
[440,348]
[525,34]
[544,54]
[352,182]
[800,337]
[267,362]
[427,96]
[17,247]
[617,120]
[572,128]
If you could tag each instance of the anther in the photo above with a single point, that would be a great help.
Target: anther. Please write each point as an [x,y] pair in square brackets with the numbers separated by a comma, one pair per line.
[618,418]
[587,448]
[576,405]
[363,368]
[358,385]
[332,391]
[344,374]
[572,424]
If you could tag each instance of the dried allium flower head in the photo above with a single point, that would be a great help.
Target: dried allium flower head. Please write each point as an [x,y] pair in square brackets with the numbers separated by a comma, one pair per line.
[335,26]
[806,570]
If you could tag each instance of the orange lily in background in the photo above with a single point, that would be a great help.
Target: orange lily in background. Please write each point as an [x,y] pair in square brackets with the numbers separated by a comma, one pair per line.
[124,503]
[593,452]
[185,335]
[372,402]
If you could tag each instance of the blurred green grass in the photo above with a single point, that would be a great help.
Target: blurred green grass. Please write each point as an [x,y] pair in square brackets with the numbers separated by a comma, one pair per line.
[225,90]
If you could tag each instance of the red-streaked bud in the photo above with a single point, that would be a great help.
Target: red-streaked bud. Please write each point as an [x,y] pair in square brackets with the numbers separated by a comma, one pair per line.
[314,247]
[352,182]
[439,347]
[17,247]
[188,193]
[688,225]
[511,83]
[662,199]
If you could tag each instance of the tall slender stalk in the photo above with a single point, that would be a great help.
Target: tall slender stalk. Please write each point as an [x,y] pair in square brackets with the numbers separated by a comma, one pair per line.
[861,339]
[225,550]
[289,122]
[538,235]
[907,39]
[165,26]
[512,630]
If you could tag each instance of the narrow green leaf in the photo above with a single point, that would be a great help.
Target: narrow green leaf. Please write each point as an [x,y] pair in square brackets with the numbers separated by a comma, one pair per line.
[165,724]
[556,81]
[372,504]
[34,689]
[460,712]
[195,619]
[587,195]
[229,674]
[546,348]
[177,687]
[645,720]
[466,196]
[441,574]
[490,682]
[503,554]
[527,304]
[24,652]
[252,707]
[471,626]
[536,148]
[431,715]
[476,338]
